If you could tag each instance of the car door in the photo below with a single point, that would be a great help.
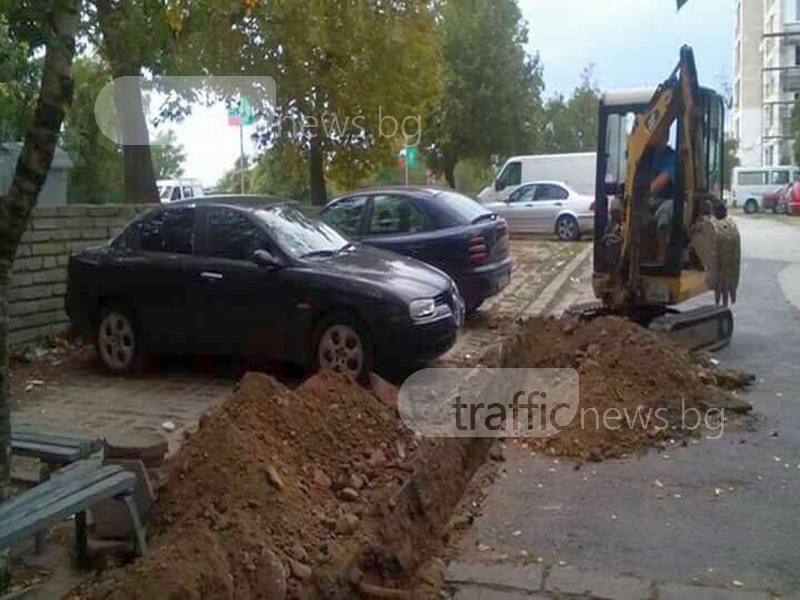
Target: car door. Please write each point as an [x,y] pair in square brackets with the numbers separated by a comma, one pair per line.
[508,181]
[518,210]
[346,215]
[395,222]
[152,273]
[244,306]
[547,204]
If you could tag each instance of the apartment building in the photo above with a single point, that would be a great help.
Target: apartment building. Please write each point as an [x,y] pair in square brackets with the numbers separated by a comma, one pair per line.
[766,79]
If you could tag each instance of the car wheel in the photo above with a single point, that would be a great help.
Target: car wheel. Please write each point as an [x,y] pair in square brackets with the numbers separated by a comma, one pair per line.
[567,229]
[117,340]
[750,207]
[784,209]
[342,344]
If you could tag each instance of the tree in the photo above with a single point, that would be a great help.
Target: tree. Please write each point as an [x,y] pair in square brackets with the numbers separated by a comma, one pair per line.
[571,125]
[731,157]
[20,76]
[492,97]
[231,180]
[98,170]
[168,156]
[55,29]
[349,74]
[132,35]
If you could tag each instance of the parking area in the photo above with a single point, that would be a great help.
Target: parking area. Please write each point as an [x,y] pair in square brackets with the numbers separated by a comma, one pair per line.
[64,387]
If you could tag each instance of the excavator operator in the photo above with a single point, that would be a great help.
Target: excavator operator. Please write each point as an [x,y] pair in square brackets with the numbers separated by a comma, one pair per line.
[661,193]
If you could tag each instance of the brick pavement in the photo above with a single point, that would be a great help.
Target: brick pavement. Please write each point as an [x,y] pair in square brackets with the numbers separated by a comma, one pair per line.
[106,405]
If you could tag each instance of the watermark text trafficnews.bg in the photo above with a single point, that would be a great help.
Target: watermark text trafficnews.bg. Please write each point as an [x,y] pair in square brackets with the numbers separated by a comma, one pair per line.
[480,402]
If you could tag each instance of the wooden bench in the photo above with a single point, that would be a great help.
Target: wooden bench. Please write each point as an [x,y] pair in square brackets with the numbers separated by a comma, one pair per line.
[70,491]
[53,447]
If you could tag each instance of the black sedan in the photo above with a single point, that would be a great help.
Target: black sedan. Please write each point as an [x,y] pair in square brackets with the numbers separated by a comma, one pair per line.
[248,276]
[441,227]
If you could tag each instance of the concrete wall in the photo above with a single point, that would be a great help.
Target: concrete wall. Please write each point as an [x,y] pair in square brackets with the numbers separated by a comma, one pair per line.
[748,81]
[39,276]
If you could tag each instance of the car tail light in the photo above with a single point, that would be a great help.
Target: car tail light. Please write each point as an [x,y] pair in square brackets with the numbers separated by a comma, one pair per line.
[477,249]
[591,207]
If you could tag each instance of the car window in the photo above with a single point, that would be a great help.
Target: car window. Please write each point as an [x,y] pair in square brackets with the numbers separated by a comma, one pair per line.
[345,215]
[454,209]
[187,192]
[395,215]
[298,234]
[511,175]
[176,194]
[523,194]
[169,231]
[780,177]
[233,235]
[547,191]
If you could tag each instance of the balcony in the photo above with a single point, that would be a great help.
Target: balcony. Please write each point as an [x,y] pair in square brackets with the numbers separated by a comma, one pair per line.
[788,33]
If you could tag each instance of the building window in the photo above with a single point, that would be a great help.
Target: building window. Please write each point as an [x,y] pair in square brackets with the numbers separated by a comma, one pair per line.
[797,10]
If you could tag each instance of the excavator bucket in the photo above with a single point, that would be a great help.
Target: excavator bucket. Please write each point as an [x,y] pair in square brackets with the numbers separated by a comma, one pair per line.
[718,245]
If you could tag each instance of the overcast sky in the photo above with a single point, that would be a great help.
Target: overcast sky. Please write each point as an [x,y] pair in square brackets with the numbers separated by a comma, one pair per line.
[619,36]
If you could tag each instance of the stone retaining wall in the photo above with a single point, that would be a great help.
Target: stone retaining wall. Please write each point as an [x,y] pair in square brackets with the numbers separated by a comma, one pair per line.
[39,277]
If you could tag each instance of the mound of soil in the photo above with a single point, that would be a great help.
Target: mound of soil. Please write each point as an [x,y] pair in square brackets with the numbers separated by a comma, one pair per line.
[317,492]
[625,367]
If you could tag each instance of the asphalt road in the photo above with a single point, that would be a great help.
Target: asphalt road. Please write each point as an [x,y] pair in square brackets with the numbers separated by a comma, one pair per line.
[722,511]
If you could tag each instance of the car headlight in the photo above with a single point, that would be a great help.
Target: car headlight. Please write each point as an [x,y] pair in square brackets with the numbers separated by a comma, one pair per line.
[419,309]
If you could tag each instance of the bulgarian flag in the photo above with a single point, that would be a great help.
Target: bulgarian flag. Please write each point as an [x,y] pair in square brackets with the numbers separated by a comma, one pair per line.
[233,116]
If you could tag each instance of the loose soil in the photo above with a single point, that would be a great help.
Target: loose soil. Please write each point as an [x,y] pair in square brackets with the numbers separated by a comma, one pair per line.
[322,485]
[322,492]
[624,367]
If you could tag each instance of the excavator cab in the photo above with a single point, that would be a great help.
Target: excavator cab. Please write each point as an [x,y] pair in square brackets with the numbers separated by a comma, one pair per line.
[651,251]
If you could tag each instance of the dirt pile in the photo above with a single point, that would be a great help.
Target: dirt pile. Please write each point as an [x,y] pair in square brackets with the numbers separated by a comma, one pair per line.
[315,492]
[623,369]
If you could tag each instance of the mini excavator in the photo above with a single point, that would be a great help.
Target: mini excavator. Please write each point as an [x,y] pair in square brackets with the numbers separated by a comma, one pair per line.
[662,233]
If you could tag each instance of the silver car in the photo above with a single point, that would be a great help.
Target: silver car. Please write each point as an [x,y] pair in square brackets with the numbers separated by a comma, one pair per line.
[547,207]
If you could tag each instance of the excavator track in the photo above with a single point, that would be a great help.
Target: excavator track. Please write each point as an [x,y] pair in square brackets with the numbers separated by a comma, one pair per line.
[706,328]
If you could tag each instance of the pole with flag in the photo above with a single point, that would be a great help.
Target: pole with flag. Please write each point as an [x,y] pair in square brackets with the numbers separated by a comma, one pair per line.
[239,115]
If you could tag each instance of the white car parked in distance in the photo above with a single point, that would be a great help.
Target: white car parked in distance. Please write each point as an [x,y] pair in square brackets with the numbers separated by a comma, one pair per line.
[172,190]
[547,207]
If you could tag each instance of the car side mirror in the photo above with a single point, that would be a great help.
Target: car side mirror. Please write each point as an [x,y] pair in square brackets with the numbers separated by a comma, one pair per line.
[498,186]
[265,258]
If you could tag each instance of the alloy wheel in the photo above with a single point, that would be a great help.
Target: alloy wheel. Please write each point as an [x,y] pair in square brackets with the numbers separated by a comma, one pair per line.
[340,349]
[116,341]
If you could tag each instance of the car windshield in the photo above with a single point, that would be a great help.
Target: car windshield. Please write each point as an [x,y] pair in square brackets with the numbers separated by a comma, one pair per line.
[464,209]
[165,192]
[300,235]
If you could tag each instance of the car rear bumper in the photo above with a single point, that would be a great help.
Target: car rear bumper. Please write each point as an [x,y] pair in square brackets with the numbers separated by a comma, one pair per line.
[484,281]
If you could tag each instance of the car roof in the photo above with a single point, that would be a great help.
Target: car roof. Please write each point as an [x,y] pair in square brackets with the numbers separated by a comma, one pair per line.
[246,202]
[417,191]
[547,182]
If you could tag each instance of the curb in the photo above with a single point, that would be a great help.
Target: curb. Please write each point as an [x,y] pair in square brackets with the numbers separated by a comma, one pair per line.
[546,297]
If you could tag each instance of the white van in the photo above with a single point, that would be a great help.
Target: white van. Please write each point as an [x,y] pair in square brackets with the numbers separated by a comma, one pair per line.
[751,183]
[577,170]
[172,190]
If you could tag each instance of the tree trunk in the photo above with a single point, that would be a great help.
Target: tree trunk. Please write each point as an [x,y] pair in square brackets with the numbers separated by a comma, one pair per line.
[450,171]
[140,180]
[319,196]
[34,162]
